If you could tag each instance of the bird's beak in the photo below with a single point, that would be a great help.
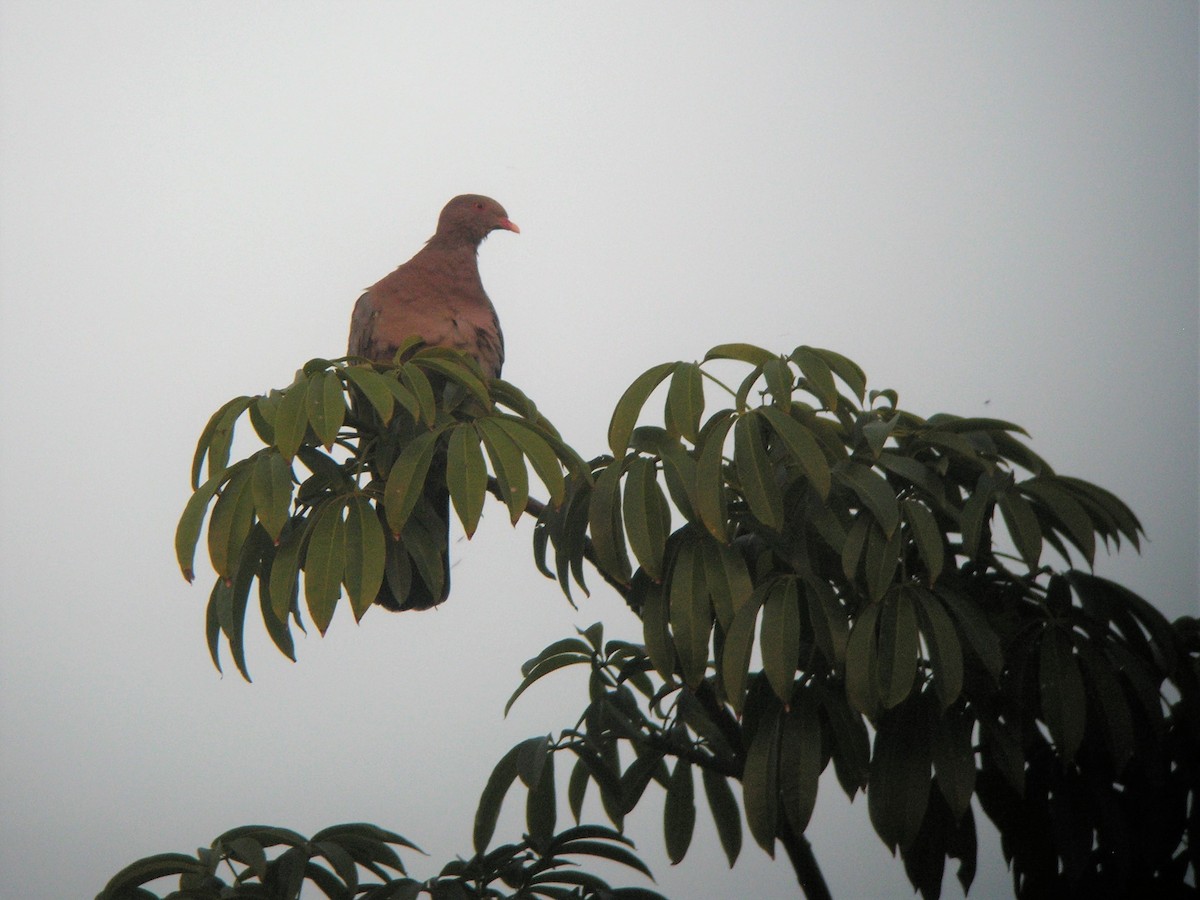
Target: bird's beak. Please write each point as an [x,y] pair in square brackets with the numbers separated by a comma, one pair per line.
[509,225]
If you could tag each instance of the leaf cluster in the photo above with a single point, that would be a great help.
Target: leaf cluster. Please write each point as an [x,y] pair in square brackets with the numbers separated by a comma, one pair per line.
[360,862]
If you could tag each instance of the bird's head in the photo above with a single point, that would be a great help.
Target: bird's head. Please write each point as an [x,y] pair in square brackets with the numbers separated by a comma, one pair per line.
[473,217]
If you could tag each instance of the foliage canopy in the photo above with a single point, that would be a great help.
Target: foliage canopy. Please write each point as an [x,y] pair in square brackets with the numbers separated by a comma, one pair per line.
[821,577]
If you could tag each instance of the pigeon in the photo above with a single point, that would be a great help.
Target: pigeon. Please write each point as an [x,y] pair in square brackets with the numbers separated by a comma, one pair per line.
[437,296]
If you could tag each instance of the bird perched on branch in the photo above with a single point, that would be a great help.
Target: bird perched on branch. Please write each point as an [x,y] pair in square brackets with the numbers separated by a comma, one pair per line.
[437,296]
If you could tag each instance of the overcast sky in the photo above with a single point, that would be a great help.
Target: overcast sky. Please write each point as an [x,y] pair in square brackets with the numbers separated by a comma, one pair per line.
[991,207]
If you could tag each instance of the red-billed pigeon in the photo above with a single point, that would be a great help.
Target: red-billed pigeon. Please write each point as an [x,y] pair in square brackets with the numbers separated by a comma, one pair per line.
[438,296]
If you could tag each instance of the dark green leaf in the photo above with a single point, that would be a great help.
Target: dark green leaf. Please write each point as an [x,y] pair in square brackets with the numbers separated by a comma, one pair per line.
[685,401]
[466,475]
[604,520]
[816,372]
[954,759]
[324,564]
[861,687]
[747,353]
[779,637]
[739,641]
[897,648]
[874,492]
[231,518]
[679,812]
[659,646]
[406,481]
[326,408]
[945,651]
[374,387]
[926,535]
[899,786]
[828,617]
[755,472]
[760,782]
[629,407]
[187,532]
[690,612]
[802,447]
[508,464]
[272,485]
[291,418]
[709,485]
[540,453]
[800,763]
[1022,525]
[488,811]
[647,516]
[366,550]
[1064,701]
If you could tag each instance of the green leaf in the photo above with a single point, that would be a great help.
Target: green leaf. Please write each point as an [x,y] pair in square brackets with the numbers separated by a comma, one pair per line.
[418,385]
[544,666]
[802,447]
[685,401]
[406,481]
[760,780]
[217,438]
[831,631]
[800,763]
[816,371]
[778,376]
[861,689]
[974,629]
[366,552]
[976,513]
[457,368]
[647,516]
[725,812]
[498,783]
[272,485]
[679,812]
[874,492]
[898,792]
[545,461]
[1064,509]
[466,475]
[756,473]
[882,559]
[747,353]
[326,408]
[659,646]
[845,369]
[727,578]
[945,651]
[779,637]
[1022,525]
[1064,700]
[324,563]
[508,464]
[291,418]
[709,485]
[187,532]
[604,521]
[629,407]
[855,543]
[375,387]
[896,648]
[954,759]
[926,535]
[231,518]
[739,641]
[541,803]
[285,570]
[690,612]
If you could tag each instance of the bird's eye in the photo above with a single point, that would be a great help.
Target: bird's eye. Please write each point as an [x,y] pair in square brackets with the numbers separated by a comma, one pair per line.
[479,206]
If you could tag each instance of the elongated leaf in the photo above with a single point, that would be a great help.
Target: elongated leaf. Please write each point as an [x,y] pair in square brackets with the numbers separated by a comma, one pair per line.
[725,812]
[760,781]
[272,485]
[374,387]
[230,521]
[899,786]
[945,650]
[216,439]
[778,376]
[755,473]
[816,371]
[739,641]
[954,760]
[543,667]
[831,631]
[679,812]
[685,401]
[541,804]
[291,419]
[800,763]
[690,613]
[508,464]
[541,455]
[187,532]
[709,487]
[1066,511]
[285,570]
[659,646]
[974,630]
[629,407]
[466,475]
[1064,700]
[802,447]
[881,562]
[604,521]
[779,637]
[727,578]
[326,408]
[861,686]
[897,647]
[747,353]
[324,563]
[845,369]
[1022,525]
[926,535]
[455,367]
[874,492]
[406,481]
[498,783]
[647,516]
[366,551]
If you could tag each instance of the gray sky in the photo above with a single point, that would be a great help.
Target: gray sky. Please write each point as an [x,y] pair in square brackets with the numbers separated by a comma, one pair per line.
[992,208]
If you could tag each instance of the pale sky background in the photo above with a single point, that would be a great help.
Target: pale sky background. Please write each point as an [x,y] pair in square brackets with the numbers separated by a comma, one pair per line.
[991,207]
